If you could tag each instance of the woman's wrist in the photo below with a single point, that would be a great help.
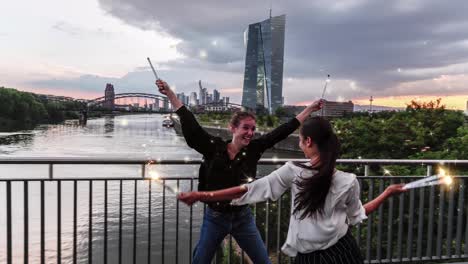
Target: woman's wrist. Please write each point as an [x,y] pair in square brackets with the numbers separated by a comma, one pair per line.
[204,196]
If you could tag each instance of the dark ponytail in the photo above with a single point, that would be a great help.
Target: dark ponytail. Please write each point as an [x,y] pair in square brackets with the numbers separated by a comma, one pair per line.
[313,190]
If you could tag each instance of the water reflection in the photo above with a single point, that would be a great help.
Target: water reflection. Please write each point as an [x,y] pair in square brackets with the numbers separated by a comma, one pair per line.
[108,125]
[9,142]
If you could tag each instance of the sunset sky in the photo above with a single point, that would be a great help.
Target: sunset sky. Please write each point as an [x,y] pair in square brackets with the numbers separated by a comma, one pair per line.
[395,51]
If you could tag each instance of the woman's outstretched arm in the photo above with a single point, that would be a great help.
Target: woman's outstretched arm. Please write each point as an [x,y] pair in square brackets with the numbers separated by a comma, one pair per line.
[166,90]
[390,191]
[214,196]
[271,187]
[315,106]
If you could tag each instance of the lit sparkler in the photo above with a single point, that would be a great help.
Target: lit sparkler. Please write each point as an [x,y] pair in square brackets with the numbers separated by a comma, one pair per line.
[154,175]
[441,178]
[325,86]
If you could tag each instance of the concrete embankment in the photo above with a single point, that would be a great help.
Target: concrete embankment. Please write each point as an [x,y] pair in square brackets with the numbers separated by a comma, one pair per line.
[288,144]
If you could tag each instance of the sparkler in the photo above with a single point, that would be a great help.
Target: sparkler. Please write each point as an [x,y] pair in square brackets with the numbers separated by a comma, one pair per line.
[438,179]
[152,68]
[325,86]
[154,175]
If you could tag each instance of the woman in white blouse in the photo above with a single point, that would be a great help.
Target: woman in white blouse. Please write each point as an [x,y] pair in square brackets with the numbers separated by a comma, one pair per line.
[325,200]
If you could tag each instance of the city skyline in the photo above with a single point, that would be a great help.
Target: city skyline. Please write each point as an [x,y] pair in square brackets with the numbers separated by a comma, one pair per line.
[394,51]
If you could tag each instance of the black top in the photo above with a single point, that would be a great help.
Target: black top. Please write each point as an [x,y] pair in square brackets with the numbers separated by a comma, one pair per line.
[217,170]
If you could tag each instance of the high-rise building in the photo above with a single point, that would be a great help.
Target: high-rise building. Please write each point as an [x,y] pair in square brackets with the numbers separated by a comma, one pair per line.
[183,98]
[109,97]
[335,109]
[263,76]
[193,99]
[216,96]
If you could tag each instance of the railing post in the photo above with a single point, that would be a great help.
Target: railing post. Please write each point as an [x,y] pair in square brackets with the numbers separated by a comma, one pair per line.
[278,231]
[59,222]
[149,222]
[440,223]
[191,225]
[369,223]
[105,220]
[90,227]
[421,218]
[51,171]
[163,219]
[26,222]
[135,200]
[177,226]
[461,195]
[267,216]
[8,214]
[450,220]
[42,223]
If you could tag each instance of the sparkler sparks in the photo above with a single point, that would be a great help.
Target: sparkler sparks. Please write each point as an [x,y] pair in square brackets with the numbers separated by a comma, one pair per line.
[155,176]
[441,178]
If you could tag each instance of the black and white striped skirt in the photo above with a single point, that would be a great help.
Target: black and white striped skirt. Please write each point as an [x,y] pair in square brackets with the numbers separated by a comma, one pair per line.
[344,251]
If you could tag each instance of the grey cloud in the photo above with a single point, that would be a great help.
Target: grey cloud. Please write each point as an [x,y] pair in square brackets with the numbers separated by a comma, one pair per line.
[360,40]
[366,41]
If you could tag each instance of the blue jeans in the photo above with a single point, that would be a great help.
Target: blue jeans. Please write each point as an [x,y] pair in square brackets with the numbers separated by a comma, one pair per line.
[241,225]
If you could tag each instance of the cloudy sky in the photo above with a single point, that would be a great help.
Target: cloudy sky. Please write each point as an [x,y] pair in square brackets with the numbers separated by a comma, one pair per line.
[395,50]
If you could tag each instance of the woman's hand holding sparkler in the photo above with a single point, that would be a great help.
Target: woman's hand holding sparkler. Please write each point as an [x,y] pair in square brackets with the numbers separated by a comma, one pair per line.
[163,87]
[390,191]
[190,198]
[317,105]
[395,189]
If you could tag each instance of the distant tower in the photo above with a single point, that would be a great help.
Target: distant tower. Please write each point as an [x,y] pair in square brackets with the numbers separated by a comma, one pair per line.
[263,75]
[216,96]
[193,101]
[466,111]
[202,94]
[370,104]
[109,97]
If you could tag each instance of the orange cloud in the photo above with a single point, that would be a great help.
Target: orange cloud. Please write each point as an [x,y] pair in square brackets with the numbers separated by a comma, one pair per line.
[230,90]
[64,92]
[456,102]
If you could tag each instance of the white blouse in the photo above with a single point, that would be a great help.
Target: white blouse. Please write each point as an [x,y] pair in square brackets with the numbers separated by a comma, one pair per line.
[342,207]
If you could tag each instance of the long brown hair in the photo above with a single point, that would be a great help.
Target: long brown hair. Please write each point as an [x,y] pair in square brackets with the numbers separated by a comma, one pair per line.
[313,190]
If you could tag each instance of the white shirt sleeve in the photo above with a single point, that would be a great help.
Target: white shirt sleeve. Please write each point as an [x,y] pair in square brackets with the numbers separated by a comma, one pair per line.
[271,187]
[354,209]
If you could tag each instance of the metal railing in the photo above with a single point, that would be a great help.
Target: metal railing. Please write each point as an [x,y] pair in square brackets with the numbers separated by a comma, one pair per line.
[427,224]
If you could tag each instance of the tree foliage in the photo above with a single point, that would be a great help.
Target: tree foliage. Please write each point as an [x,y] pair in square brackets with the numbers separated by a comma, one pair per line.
[24,110]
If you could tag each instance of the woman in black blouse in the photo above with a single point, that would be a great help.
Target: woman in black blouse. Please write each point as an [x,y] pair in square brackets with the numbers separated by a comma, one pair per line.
[236,160]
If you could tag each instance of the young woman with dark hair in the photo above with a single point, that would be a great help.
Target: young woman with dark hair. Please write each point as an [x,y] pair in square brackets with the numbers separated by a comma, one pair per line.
[326,201]
[228,164]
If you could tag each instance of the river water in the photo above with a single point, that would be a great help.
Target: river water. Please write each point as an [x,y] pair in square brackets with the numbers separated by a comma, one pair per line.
[136,136]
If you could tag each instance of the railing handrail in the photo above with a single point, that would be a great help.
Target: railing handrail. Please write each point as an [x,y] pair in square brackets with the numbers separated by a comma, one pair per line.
[270,161]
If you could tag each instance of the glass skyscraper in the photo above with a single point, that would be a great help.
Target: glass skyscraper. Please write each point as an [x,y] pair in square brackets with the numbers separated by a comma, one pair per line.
[263,77]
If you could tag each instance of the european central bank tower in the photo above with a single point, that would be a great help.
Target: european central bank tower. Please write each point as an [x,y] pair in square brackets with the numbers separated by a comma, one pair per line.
[263,77]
